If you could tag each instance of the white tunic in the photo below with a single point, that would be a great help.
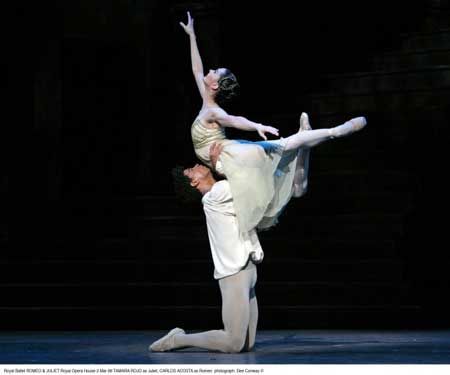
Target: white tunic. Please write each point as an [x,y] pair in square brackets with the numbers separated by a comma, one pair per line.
[230,250]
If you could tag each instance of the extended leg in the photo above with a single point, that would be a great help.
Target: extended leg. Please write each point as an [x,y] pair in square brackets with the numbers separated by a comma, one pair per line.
[301,173]
[312,138]
[300,185]
[235,291]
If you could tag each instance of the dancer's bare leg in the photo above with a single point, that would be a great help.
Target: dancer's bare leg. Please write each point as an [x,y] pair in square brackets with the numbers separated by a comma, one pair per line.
[300,184]
[238,314]
[312,138]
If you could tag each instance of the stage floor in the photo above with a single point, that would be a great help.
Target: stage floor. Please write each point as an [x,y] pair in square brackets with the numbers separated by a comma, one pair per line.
[272,347]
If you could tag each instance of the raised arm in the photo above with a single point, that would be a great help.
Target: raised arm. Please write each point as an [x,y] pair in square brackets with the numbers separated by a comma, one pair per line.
[239,122]
[197,65]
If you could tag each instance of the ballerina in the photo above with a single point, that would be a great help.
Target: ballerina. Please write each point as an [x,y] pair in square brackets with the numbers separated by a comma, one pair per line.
[263,176]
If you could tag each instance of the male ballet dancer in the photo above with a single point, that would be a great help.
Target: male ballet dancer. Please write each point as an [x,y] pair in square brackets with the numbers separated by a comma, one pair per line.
[234,259]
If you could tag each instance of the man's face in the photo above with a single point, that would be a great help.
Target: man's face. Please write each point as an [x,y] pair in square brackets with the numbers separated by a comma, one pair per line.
[197,172]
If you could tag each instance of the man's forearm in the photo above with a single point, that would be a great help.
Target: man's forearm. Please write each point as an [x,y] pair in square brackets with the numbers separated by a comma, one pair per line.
[197,66]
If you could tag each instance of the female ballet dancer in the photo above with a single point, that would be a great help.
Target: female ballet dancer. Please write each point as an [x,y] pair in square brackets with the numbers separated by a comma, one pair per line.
[262,175]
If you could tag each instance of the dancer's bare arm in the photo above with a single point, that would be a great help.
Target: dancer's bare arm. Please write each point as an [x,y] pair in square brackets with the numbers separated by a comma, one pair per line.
[197,65]
[221,117]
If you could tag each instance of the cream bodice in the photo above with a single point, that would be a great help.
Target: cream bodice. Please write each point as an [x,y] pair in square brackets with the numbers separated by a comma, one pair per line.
[203,136]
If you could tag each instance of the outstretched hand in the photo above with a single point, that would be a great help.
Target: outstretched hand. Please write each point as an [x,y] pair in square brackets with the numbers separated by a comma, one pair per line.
[189,27]
[214,152]
[267,129]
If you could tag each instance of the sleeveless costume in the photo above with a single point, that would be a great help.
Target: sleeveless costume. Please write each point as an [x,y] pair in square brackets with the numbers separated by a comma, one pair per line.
[260,174]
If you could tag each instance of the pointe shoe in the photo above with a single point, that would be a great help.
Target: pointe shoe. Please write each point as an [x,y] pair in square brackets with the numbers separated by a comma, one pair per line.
[165,343]
[351,126]
[358,123]
[304,122]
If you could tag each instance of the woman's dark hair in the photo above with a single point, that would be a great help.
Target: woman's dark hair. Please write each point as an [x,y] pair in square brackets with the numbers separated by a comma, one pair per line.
[182,186]
[228,88]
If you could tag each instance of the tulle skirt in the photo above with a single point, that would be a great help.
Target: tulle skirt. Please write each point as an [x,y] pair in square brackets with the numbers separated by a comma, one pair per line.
[261,177]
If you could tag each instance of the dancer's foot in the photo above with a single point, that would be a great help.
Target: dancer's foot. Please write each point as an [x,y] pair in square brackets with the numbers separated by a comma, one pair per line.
[351,126]
[165,343]
[304,122]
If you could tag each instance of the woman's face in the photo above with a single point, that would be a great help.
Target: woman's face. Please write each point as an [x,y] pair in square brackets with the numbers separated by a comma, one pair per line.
[213,76]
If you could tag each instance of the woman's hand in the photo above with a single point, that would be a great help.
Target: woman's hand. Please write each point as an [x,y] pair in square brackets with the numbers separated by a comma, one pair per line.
[262,129]
[189,27]
[214,152]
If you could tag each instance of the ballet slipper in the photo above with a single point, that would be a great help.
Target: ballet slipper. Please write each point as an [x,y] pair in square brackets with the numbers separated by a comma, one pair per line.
[165,343]
[304,122]
[350,127]
[358,123]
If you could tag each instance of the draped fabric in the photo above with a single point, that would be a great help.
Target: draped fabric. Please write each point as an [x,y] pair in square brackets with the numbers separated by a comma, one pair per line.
[260,174]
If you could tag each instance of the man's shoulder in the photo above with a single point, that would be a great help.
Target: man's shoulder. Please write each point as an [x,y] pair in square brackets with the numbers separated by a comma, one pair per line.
[220,191]
[221,185]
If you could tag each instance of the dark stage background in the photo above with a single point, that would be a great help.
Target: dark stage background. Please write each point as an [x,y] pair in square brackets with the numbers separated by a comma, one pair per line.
[103,243]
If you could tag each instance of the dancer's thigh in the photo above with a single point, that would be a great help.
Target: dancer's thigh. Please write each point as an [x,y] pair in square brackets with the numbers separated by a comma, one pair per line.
[245,153]
[235,291]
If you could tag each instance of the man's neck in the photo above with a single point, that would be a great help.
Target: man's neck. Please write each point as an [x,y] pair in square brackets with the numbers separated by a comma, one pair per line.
[206,185]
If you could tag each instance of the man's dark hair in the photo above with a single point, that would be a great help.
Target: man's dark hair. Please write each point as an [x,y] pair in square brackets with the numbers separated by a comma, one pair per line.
[182,186]
[228,88]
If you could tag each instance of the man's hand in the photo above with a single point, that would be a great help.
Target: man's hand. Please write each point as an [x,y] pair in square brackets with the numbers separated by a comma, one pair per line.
[189,27]
[214,152]
[262,129]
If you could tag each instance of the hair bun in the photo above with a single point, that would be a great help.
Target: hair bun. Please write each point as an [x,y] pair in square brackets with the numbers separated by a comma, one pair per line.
[228,88]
